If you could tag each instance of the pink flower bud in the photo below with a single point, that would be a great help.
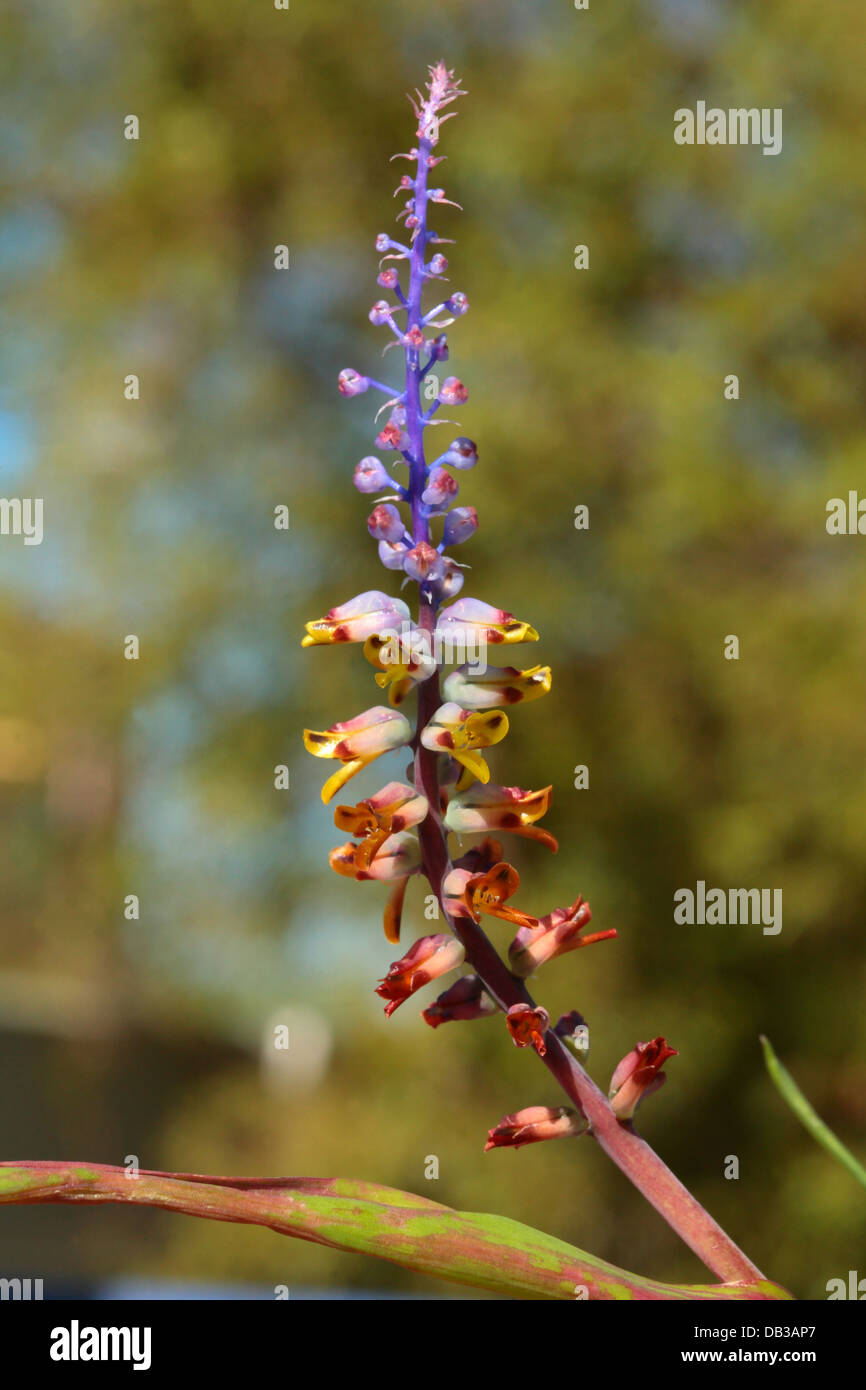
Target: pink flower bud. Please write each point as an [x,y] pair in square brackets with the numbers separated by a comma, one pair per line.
[429,958]
[388,278]
[441,489]
[392,556]
[380,312]
[534,1124]
[438,264]
[383,241]
[385,523]
[528,1026]
[370,475]
[453,392]
[638,1075]
[460,524]
[351,383]
[457,304]
[461,453]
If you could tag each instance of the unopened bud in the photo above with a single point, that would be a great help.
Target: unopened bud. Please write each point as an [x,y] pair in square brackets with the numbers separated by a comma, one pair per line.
[453,392]
[385,523]
[460,524]
[351,383]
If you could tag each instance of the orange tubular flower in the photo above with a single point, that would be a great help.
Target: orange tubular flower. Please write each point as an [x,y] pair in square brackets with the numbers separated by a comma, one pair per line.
[396,858]
[500,808]
[488,892]
[535,1124]
[527,1026]
[396,807]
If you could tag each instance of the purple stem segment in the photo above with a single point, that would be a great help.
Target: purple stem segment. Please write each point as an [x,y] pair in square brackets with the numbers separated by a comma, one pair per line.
[414,420]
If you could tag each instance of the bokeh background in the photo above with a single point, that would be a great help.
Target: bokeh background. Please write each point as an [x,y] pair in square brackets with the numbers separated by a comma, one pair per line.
[603,387]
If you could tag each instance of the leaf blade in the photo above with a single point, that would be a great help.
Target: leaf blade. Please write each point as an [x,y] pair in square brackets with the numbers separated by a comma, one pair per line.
[807,1115]
[472,1248]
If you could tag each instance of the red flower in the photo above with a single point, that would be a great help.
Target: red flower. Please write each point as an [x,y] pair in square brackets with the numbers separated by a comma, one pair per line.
[638,1075]
[527,1026]
[429,958]
[466,999]
[532,1125]
[553,935]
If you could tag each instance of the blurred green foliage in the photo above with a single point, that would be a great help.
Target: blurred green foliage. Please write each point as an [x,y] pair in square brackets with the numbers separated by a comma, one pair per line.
[602,387]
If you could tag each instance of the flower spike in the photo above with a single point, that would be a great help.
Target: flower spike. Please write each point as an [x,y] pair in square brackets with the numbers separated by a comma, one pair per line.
[404,829]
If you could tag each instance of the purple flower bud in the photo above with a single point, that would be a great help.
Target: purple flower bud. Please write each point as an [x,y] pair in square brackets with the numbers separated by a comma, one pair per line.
[383,241]
[351,383]
[385,523]
[371,475]
[438,348]
[438,265]
[441,489]
[460,524]
[451,580]
[392,556]
[453,392]
[461,453]
[458,303]
[380,312]
[388,278]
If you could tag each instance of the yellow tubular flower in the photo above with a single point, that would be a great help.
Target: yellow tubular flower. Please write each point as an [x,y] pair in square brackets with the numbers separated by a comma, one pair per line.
[357,742]
[461,733]
[496,685]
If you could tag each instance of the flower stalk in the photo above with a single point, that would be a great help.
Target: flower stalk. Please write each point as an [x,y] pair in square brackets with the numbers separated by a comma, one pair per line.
[450,777]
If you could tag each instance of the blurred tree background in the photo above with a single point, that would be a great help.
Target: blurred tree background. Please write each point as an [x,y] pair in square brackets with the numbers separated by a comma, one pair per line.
[602,387]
